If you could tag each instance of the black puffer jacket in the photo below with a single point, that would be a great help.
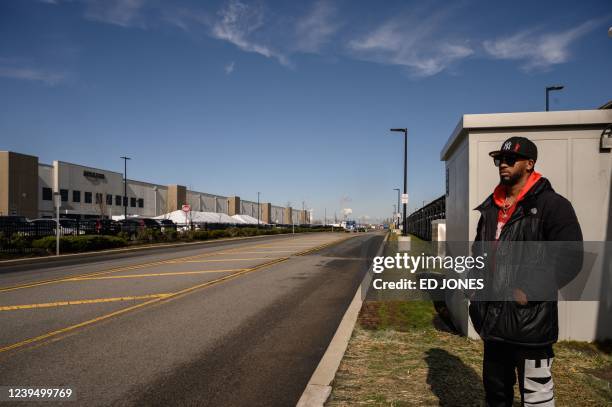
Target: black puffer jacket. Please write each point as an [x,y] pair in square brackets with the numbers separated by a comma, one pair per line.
[542,215]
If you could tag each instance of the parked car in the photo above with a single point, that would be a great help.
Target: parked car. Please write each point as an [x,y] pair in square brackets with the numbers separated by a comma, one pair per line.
[166,224]
[71,227]
[43,227]
[150,223]
[131,226]
[107,227]
[10,225]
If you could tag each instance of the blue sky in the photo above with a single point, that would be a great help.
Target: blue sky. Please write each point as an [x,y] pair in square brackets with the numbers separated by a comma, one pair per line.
[293,99]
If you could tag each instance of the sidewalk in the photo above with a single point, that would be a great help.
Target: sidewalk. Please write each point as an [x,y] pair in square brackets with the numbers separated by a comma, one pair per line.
[402,354]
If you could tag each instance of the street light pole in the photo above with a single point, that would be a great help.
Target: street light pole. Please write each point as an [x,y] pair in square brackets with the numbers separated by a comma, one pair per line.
[258,210]
[398,206]
[125,199]
[58,203]
[549,89]
[405,131]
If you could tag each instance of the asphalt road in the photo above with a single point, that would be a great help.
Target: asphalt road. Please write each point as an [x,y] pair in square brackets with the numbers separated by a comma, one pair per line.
[231,324]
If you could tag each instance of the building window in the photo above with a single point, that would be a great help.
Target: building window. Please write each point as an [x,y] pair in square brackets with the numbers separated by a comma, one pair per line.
[98,198]
[125,201]
[140,203]
[447,183]
[76,196]
[47,194]
[109,199]
[87,197]
[133,202]
[64,194]
[118,200]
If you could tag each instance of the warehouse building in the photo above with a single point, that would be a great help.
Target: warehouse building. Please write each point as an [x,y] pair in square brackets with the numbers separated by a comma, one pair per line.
[27,187]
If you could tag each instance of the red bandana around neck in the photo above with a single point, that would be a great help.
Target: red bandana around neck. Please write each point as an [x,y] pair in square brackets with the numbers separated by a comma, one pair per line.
[499,197]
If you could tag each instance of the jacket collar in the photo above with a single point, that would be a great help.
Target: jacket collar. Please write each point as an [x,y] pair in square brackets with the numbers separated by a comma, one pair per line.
[543,184]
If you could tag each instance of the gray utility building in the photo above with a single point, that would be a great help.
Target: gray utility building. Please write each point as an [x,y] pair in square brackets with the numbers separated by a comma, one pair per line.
[574,154]
[27,187]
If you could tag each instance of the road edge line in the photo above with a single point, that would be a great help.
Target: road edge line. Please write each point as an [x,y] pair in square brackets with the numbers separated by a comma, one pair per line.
[319,387]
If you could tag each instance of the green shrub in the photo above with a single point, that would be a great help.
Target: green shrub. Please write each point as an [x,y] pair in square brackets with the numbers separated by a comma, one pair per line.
[19,241]
[77,244]
[216,234]
[148,235]
[170,235]
[3,240]
[200,234]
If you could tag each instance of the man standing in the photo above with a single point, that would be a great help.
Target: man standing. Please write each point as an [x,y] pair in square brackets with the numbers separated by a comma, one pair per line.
[518,331]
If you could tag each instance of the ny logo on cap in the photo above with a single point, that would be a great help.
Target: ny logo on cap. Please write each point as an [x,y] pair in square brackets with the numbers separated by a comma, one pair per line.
[507,145]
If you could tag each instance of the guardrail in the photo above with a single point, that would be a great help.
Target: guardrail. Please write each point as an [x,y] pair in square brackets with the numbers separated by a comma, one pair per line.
[419,222]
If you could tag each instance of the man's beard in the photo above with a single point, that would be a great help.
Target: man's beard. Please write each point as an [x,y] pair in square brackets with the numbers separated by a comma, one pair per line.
[513,179]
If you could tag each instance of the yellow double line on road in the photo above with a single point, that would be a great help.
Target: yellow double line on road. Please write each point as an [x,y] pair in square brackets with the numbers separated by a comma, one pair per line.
[134,307]
[168,274]
[81,302]
[134,267]
[168,297]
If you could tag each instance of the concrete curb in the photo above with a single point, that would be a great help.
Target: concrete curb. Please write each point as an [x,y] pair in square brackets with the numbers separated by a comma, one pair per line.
[319,386]
[91,255]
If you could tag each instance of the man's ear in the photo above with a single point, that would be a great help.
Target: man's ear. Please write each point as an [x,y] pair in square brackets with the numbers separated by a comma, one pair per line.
[530,165]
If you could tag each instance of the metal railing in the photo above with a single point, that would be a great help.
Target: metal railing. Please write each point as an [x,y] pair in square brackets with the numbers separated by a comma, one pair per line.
[419,222]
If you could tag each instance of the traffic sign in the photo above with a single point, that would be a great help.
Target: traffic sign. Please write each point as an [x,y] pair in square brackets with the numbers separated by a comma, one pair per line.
[186,208]
[404,198]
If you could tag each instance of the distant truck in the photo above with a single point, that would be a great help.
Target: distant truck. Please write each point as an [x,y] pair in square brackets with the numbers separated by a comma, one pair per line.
[349,225]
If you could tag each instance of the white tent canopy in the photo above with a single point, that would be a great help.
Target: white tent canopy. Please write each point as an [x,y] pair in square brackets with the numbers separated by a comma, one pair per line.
[198,217]
[247,219]
[181,217]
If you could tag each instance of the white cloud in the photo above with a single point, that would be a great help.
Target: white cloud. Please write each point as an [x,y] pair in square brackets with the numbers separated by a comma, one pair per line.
[31,74]
[410,41]
[314,29]
[124,13]
[538,50]
[237,25]
[229,68]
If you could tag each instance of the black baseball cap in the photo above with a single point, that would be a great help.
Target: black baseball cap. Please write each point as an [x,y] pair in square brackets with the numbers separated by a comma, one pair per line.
[520,146]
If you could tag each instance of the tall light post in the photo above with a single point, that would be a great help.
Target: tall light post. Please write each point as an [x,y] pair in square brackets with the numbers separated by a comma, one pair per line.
[405,131]
[398,206]
[58,202]
[125,199]
[258,211]
[155,202]
[549,89]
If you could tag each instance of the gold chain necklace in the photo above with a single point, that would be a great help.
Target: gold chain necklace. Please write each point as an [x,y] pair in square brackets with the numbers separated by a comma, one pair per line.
[505,207]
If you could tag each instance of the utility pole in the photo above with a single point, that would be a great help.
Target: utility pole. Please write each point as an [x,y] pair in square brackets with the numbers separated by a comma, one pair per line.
[258,211]
[405,131]
[58,203]
[125,199]
[398,206]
